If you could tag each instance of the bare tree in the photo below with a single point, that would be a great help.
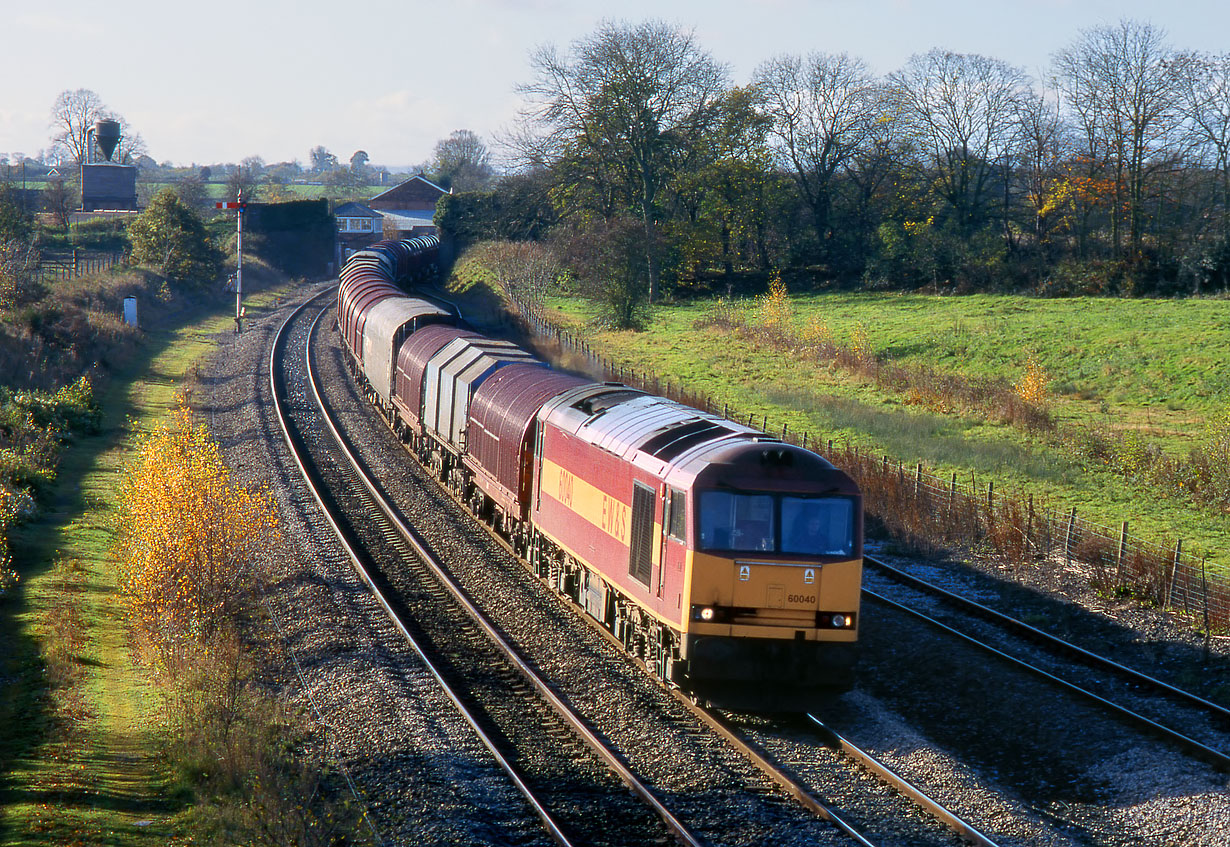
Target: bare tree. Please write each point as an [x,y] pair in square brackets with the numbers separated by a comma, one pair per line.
[191,192]
[72,115]
[245,177]
[625,104]
[462,161]
[1043,144]
[1205,105]
[131,146]
[60,198]
[526,270]
[1123,83]
[959,109]
[18,251]
[823,108]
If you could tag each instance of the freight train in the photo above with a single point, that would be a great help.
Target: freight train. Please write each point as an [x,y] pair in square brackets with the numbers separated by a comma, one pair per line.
[728,561]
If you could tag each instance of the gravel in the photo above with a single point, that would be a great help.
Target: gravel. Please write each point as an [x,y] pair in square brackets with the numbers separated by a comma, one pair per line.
[1035,768]
[418,767]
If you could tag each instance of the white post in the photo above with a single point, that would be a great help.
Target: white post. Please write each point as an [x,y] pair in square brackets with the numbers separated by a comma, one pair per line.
[239,269]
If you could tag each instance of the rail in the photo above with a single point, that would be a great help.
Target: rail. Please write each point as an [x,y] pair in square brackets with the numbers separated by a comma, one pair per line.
[678,831]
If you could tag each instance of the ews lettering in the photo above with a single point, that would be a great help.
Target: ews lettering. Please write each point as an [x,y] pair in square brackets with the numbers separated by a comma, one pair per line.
[566,482]
[614,517]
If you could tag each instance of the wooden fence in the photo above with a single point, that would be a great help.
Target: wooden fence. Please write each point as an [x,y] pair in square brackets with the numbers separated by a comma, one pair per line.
[64,265]
[928,510]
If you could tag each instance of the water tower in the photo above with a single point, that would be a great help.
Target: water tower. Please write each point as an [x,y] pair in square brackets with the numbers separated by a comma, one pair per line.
[107,136]
[106,185]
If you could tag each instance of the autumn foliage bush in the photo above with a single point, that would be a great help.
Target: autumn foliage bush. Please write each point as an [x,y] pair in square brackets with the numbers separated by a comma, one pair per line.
[191,547]
[191,550]
[190,538]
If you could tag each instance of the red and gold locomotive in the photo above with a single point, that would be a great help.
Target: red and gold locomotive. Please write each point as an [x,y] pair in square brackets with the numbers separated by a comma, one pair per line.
[728,561]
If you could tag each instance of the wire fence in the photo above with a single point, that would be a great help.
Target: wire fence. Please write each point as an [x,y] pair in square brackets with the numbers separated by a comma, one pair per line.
[65,265]
[929,512]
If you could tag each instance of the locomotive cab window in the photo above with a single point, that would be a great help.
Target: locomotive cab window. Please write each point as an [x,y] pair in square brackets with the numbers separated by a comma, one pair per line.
[818,526]
[736,521]
[809,526]
[676,514]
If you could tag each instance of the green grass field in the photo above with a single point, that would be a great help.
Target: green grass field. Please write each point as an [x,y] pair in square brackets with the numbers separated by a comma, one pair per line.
[1149,366]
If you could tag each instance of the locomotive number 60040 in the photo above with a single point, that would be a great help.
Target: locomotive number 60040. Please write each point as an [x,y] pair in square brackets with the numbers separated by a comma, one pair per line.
[639,510]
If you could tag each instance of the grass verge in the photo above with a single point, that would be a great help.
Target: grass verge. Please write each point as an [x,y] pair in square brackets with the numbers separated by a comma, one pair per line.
[80,756]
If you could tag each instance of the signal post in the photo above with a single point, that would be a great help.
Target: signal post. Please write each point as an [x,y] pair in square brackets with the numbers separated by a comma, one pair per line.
[238,206]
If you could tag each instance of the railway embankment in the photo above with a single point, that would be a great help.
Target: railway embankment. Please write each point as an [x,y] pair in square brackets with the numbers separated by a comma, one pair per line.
[86,752]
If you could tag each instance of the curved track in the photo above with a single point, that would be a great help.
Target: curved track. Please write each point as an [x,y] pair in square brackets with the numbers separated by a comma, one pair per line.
[910,798]
[378,518]
[1116,675]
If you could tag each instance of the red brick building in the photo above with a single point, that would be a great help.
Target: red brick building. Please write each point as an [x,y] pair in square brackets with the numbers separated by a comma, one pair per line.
[404,211]
[407,209]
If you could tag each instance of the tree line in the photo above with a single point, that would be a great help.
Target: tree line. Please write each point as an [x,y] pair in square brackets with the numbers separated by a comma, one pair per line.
[956,171]
[460,161]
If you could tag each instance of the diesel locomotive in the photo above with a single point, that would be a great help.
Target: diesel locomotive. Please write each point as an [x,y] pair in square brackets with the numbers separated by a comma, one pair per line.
[728,561]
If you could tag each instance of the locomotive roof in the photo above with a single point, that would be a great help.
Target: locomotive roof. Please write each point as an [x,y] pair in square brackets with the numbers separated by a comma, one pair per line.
[759,463]
[649,431]
[682,444]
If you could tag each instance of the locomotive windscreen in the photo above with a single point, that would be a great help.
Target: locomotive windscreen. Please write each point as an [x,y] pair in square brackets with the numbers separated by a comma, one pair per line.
[770,523]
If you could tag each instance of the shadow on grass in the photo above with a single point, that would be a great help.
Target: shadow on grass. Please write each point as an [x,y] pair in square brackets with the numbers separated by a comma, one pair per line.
[29,723]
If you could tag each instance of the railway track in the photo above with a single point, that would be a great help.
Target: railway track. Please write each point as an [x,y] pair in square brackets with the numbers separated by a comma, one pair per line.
[536,747]
[1111,686]
[895,799]
[797,786]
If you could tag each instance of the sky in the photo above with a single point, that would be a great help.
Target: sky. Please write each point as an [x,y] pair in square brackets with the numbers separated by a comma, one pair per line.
[221,81]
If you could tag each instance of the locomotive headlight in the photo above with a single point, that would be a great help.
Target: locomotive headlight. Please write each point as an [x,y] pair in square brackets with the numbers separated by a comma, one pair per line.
[708,613]
[839,621]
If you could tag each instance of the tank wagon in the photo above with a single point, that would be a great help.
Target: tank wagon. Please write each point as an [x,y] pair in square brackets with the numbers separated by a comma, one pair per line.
[728,561]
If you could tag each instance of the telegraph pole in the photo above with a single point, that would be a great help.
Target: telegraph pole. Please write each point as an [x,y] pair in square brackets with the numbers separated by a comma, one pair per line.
[238,205]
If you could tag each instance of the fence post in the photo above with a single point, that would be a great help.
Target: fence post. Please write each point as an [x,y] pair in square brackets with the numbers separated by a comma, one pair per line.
[1123,531]
[1067,537]
[1204,586]
[1174,569]
[1029,524]
[990,499]
[917,479]
[952,492]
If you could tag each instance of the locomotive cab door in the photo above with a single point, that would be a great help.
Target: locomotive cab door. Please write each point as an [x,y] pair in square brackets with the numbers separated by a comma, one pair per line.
[674,543]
